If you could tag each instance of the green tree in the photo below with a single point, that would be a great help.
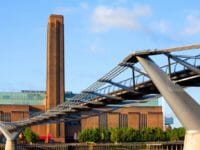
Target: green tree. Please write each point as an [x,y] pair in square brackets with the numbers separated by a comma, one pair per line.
[89,135]
[30,136]
[131,135]
[115,134]
[127,135]
[157,134]
[104,135]
[181,133]
[174,134]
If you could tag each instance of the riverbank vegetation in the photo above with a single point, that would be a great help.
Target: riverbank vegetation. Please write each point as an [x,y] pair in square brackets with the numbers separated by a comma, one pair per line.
[130,135]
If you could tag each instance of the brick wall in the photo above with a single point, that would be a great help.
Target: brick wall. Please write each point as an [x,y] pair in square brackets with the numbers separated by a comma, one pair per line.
[137,117]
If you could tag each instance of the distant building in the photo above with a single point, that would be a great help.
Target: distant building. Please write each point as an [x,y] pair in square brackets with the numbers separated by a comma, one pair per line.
[24,97]
[20,105]
[169,120]
[16,106]
[138,116]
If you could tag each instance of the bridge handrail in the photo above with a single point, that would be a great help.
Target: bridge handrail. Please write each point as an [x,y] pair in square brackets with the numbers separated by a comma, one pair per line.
[140,78]
[107,89]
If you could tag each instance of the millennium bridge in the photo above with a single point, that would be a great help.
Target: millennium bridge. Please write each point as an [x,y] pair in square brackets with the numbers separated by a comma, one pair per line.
[139,77]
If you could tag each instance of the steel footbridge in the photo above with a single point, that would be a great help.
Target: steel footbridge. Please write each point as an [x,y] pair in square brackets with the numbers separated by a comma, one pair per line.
[139,77]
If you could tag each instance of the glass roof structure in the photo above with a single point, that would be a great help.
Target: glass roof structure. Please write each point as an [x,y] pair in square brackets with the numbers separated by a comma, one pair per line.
[22,98]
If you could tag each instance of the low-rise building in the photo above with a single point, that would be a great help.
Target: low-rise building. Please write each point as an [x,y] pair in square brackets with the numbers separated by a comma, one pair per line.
[16,106]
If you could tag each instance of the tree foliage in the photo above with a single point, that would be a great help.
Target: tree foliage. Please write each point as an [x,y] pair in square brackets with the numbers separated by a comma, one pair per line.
[130,135]
[30,136]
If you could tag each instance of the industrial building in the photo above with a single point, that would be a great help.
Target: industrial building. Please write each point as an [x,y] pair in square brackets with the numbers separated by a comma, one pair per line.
[20,105]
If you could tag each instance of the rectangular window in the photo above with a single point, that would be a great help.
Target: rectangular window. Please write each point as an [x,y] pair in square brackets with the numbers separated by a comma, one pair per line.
[5,117]
[58,130]
[123,120]
[103,120]
[143,121]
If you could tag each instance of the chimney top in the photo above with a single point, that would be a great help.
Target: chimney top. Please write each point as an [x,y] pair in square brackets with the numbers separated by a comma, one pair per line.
[55,18]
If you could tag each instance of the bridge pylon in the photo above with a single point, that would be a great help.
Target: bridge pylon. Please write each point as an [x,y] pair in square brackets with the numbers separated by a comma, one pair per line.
[183,105]
[10,138]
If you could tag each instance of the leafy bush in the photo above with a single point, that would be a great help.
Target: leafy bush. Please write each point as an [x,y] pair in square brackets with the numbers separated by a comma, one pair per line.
[89,135]
[30,136]
[104,135]
[130,135]
[176,134]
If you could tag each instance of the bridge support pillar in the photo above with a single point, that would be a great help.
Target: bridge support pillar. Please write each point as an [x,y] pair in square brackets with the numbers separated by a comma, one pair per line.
[183,105]
[192,139]
[10,138]
[10,144]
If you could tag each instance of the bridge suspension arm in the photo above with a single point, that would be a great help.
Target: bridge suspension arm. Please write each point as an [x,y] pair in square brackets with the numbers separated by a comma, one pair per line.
[182,62]
[131,65]
[119,85]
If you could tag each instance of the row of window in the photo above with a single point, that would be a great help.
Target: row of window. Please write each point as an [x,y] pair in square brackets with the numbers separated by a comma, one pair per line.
[5,117]
[123,121]
[103,120]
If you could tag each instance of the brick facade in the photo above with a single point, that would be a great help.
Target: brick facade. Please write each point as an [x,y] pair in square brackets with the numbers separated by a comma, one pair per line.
[135,117]
[20,112]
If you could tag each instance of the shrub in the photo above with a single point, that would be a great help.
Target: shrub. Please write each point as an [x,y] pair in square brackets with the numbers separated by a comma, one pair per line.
[30,136]
[130,135]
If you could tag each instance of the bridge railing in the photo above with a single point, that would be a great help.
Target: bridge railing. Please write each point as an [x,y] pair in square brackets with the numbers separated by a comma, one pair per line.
[176,67]
[105,88]
[105,146]
[141,78]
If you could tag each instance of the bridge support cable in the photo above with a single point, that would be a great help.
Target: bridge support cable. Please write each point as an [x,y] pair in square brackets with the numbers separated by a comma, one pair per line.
[183,105]
[169,67]
[188,57]
[109,76]
[103,95]
[133,76]
[134,68]
[131,65]
[119,85]
[184,63]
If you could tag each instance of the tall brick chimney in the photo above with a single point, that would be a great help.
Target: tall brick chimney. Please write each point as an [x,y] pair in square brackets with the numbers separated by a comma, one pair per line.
[55,88]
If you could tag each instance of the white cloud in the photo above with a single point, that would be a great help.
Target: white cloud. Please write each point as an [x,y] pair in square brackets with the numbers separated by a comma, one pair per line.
[84,5]
[95,48]
[63,10]
[192,25]
[105,18]
[162,26]
[71,9]
[158,26]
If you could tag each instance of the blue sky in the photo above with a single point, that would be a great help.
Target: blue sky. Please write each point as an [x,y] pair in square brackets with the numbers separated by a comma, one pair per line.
[98,35]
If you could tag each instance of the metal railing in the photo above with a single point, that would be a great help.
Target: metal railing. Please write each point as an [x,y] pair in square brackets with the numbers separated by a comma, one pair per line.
[141,78]
[100,89]
[105,146]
